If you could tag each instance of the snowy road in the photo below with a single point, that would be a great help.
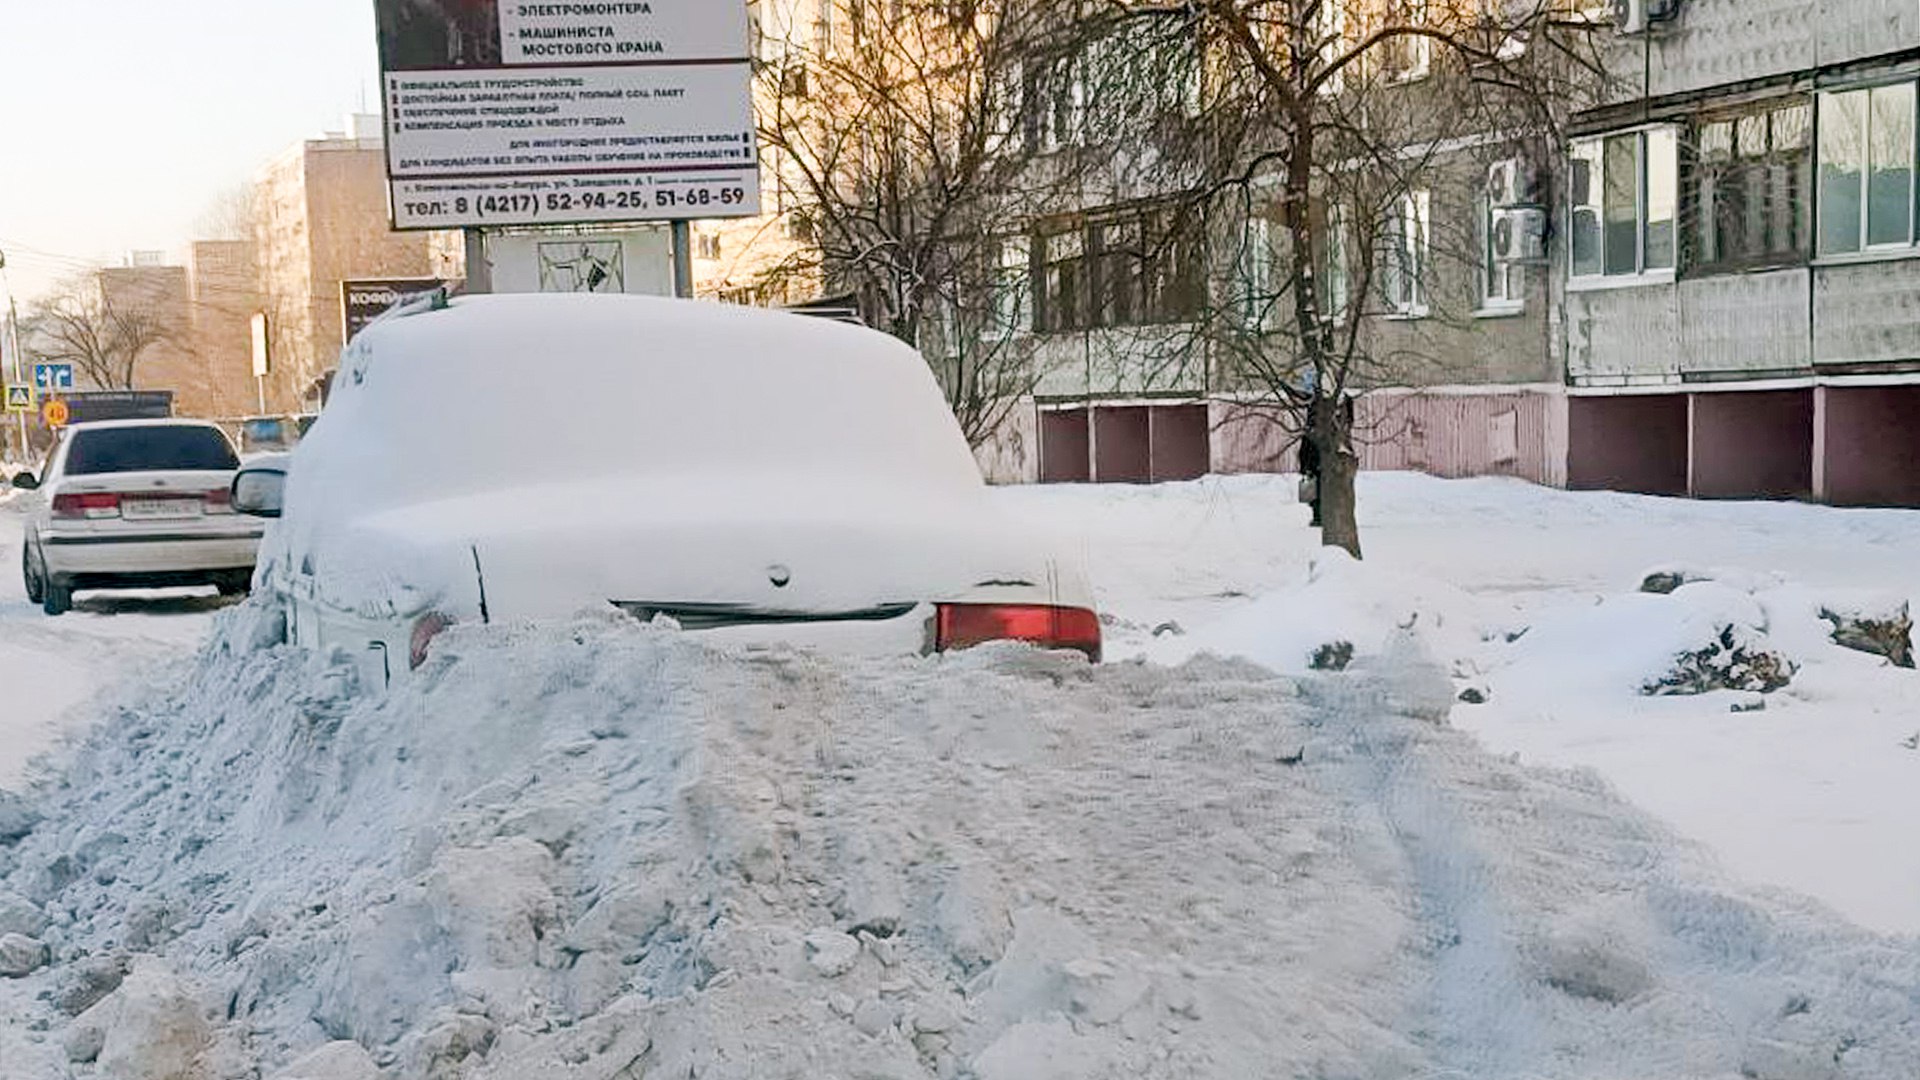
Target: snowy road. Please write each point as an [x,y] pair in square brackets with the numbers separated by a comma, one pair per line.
[50,666]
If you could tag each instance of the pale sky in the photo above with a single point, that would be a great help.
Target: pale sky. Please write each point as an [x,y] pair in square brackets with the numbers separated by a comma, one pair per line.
[121,121]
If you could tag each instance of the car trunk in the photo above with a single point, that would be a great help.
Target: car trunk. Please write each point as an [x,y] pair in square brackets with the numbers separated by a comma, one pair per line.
[138,502]
[765,553]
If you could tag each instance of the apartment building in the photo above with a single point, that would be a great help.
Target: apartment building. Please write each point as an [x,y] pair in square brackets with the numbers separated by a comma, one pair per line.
[1447,280]
[1709,290]
[1743,270]
[322,220]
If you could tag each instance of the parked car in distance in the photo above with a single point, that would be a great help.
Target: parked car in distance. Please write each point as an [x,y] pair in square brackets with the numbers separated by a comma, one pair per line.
[742,472]
[271,434]
[136,504]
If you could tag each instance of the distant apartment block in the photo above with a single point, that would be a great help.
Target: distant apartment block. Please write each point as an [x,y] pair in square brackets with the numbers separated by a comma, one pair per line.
[322,220]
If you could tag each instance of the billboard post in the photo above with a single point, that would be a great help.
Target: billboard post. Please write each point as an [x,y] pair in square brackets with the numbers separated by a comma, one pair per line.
[479,262]
[501,113]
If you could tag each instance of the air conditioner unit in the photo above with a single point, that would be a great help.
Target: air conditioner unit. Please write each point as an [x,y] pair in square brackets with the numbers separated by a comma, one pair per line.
[1636,16]
[1513,182]
[1519,235]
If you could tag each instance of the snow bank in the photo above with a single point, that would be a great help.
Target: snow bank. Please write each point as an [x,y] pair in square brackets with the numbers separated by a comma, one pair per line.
[603,849]
[1345,602]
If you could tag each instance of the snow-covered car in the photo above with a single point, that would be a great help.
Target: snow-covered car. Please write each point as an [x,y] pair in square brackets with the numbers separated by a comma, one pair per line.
[742,472]
[136,504]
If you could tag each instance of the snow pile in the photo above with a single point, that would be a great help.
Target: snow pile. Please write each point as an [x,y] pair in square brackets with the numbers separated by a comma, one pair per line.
[1345,602]
[1723,632]
[603,849]
[1646,643]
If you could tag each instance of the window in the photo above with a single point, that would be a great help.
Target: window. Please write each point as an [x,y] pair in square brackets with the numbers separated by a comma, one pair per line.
[1404,260]
[1174,268]
[823,27]
[1407,57]
[1254,275]
[1750,187]
[707,245]
[1063,281]
[1058,92]
[1331,29]
[1335,276]
[183,448]
[1129,268]
[1011,311]
[1503,284]
[1624,191]
[1866,169]
[1119,264]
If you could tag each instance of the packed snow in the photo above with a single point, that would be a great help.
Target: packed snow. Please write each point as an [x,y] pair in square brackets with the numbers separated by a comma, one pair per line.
[606,849]
[597,848]
[1816,788]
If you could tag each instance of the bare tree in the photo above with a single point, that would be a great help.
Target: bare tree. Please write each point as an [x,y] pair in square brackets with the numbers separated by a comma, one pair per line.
[79,323]
[233,214]
[901,138]
[1327,125]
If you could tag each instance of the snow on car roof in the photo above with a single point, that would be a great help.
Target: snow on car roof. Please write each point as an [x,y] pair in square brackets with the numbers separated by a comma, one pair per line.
[631,405]
[498,389]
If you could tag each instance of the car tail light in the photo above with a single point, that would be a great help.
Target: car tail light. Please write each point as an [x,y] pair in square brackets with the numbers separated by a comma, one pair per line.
[97,504]
[960,626]
[219,501]
[425,629]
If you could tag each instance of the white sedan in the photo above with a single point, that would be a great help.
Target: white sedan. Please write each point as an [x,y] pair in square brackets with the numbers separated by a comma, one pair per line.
[136,504]
[742,472]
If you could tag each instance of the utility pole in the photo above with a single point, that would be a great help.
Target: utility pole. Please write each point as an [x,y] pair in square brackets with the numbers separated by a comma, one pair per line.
[13,350]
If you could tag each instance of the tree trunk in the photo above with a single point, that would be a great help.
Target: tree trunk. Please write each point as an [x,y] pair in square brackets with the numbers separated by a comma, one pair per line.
[1338,526]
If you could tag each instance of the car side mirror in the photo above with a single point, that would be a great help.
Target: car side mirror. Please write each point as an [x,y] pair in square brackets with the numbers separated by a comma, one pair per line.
[25,481]
[259,491]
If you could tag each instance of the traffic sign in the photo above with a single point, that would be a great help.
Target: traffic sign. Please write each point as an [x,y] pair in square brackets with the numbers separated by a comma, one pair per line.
[19,399]
[52,377]
[55,413]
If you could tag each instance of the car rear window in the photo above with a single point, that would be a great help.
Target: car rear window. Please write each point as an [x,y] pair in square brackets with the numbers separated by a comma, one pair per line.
[150,449]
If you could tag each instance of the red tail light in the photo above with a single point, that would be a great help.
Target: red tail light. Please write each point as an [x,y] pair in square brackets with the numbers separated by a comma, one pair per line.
[99,504]
[961,626]
[425,629]
[219,501]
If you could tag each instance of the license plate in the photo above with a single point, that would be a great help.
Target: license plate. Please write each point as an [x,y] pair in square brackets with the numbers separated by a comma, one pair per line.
[158,509]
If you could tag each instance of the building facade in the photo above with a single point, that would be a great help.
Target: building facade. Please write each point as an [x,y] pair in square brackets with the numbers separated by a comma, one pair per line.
[322,219]
[1743,267]
[1718,298]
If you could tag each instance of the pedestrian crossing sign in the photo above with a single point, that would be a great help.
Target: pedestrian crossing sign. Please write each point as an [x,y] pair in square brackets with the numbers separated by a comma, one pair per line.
[19,399]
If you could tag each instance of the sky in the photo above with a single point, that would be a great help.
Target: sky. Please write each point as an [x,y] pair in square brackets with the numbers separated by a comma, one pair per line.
[123,121]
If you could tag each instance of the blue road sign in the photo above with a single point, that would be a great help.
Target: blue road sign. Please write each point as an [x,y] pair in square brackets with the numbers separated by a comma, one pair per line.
[52,377]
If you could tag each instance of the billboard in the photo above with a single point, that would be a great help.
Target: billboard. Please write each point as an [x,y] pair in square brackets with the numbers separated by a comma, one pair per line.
[365,300]
[501,112]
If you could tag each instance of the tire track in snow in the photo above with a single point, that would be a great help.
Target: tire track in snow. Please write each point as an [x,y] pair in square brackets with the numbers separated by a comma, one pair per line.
[1477,973]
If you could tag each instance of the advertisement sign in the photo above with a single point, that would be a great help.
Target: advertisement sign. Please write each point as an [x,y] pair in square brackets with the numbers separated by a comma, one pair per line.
[500,112]
[365,300]
[635,261]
